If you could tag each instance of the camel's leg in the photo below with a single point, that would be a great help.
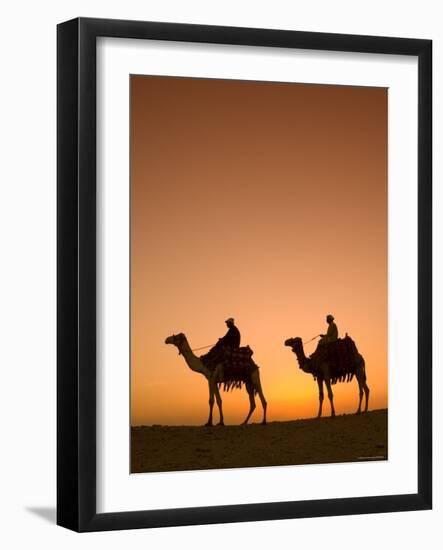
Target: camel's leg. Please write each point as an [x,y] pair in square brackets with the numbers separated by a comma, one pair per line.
[320,396]
[263,402]
[366,389]
[360,395]
[256,383]
[211,401]
[362,386]
[219,404]
[250,391]
[330,395]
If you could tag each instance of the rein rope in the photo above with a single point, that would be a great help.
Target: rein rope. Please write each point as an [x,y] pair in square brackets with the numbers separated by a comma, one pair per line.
[315,337]
[203,347]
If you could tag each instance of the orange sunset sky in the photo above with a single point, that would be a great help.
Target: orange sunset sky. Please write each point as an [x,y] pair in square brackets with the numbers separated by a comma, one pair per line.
[262,201]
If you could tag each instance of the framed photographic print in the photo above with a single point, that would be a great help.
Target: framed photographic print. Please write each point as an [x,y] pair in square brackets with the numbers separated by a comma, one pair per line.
[244,274]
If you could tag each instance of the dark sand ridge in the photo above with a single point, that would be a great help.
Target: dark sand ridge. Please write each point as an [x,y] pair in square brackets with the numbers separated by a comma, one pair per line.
[345,438]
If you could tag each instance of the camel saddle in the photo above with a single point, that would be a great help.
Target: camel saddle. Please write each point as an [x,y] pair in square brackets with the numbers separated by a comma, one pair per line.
[237,364]
[340,355]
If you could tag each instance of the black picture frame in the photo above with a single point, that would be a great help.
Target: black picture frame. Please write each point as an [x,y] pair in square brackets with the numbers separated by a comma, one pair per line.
[76,280]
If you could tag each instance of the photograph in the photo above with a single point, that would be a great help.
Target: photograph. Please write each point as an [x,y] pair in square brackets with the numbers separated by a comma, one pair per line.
[258,274]
[223,325]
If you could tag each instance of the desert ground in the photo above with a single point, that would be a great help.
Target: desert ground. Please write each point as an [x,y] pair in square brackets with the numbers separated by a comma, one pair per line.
[345,438]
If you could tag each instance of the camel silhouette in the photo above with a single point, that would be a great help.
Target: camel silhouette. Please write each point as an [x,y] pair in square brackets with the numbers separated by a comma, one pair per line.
[217,377]
[323,366]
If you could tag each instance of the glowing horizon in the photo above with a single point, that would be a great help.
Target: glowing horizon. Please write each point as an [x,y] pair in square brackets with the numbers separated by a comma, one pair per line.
[265,202]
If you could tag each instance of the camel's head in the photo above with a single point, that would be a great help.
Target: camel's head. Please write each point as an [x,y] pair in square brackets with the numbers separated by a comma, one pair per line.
[294,342]
[176,339]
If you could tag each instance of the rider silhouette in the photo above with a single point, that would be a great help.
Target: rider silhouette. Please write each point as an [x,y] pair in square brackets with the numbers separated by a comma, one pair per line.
[332,333]
[231,340]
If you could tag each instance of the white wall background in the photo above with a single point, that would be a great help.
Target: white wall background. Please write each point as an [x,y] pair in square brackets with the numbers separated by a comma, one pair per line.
[27,273]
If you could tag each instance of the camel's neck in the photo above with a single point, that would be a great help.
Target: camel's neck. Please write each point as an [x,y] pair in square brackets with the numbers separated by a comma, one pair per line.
[303,361]
[192,360]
